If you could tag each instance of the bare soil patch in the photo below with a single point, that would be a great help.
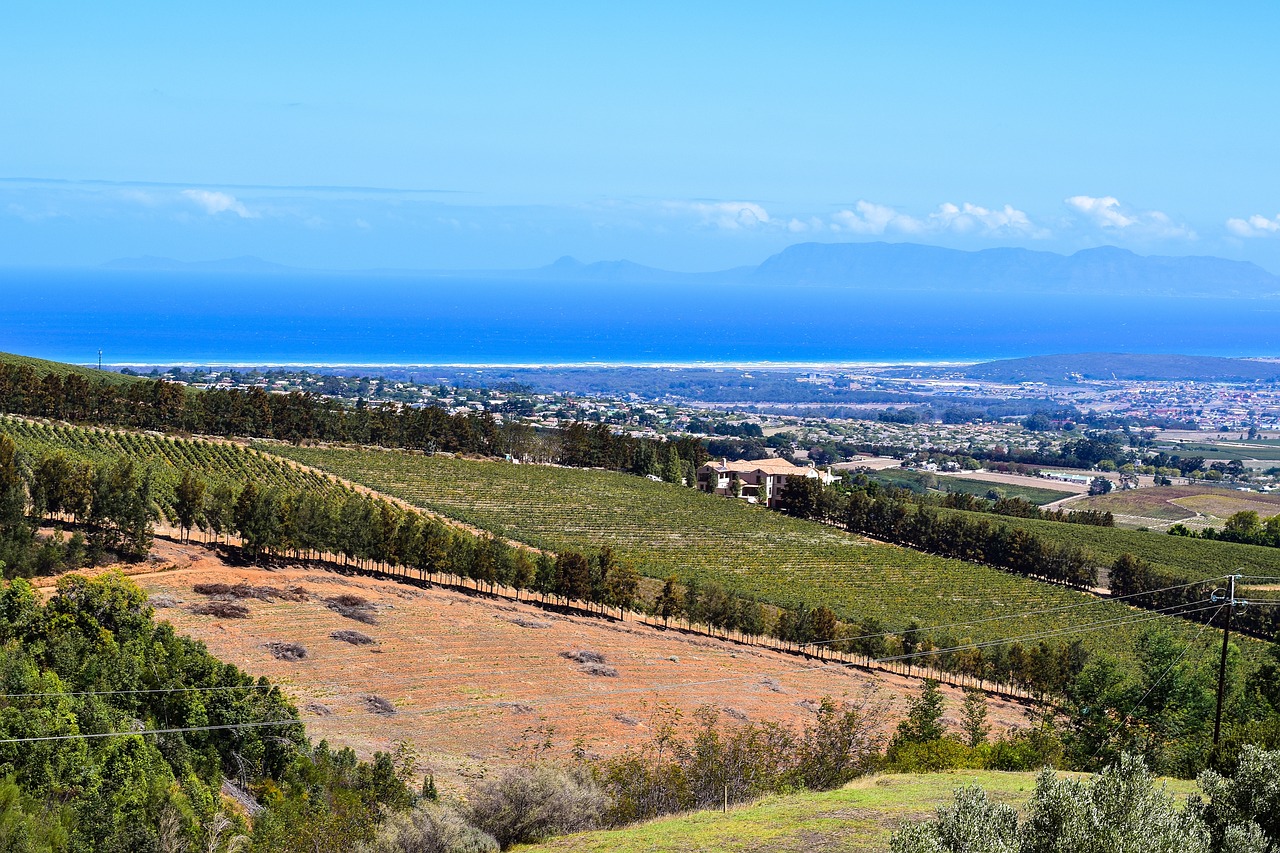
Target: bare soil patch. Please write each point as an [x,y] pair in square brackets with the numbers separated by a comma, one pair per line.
[469,688]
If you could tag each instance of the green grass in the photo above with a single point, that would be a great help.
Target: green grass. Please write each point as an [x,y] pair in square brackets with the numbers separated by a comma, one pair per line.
[858,818]
[670,530]
[42,367]
[166,458]
[921,481]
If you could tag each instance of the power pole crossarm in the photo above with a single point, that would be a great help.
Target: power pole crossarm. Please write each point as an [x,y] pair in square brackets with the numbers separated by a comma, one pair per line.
[1231,602]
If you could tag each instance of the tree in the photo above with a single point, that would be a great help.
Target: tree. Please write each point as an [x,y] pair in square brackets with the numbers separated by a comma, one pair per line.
[621,585]
[1099,486]
[973,717]
[924,716]
[801,496]
[188,502]
[667,604]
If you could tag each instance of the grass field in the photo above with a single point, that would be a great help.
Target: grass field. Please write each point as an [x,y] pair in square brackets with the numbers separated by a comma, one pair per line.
[664,529]
[858,818]
[921,481]
[166,458]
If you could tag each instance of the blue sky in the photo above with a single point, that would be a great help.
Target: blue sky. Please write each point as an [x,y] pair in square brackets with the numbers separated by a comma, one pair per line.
[480,135]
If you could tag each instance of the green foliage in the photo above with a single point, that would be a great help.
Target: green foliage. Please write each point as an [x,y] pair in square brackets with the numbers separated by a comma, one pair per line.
[1119,811]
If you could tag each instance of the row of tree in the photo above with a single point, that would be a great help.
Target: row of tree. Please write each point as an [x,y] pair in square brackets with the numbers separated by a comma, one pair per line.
[896,517]
[299,417]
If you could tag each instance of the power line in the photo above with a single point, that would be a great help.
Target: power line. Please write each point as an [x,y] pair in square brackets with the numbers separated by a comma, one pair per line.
[90,735]
[1062,607]
[1140,616]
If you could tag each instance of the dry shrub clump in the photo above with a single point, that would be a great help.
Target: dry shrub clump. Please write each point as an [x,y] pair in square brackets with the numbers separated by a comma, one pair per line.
[221,609]
[524,805]
[286,651]
[526,622]
[352,607]
[583,656]
[601,670]
[378,705]
[244,590]
[355,638]
[431,827]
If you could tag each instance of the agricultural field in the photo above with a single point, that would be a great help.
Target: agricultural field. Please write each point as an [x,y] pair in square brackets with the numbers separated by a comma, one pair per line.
[1191,558]
[670,530]
[473,682]
[922,481]
[858,818]
[166,458]
[1252,450]
[1204,504]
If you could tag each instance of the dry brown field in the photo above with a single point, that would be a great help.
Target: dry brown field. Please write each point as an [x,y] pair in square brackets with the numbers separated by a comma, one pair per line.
[1211,504]
[475,682]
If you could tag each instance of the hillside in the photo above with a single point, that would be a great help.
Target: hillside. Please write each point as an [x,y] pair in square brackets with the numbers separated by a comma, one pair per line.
[669,530]
[43,367]
[1057,369]
[164,457]
[858,818]
[474,681]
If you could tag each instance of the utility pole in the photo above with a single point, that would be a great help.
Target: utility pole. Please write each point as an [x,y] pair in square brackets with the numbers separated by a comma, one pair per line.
[99,359]
[1231,603]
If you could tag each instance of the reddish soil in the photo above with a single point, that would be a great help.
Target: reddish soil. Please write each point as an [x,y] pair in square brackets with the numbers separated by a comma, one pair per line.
[476,682]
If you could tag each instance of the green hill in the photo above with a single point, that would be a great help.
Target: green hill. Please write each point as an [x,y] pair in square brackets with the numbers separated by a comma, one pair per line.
[858,818]
[43,367]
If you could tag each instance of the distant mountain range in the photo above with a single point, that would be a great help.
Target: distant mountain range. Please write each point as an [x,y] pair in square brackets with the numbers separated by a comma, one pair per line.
[1058,369]
[1105,270]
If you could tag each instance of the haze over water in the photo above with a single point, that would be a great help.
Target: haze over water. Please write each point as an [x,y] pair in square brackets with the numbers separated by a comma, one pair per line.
[161,318]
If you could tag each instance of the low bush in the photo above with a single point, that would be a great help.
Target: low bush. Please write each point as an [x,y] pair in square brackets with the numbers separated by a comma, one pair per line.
[524,805]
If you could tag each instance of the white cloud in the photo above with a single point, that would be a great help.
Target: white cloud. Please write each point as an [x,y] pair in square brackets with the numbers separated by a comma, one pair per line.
[1109,214]
[969,218]
[1254,226]
[214,203]
[729,215]
[870,218]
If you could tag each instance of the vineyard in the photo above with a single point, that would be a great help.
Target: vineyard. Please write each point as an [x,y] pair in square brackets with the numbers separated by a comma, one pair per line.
[42,368]
[666,530]
[165,458]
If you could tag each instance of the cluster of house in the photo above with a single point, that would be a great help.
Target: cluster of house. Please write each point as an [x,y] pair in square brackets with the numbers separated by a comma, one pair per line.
[755,480]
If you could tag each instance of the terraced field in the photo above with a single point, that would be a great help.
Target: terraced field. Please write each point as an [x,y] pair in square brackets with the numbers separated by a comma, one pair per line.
[665,529]
[165,457]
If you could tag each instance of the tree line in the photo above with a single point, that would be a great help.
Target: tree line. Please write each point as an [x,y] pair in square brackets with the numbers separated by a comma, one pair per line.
[1245,527]
[297,417]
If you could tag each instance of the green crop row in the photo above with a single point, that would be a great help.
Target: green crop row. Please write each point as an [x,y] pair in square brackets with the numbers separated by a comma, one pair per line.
[164,457]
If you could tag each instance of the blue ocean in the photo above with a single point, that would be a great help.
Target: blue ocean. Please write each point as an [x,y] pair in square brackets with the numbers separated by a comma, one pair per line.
[159,318]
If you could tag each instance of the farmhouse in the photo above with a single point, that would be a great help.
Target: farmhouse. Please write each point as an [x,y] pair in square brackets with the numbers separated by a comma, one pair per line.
[755,480]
